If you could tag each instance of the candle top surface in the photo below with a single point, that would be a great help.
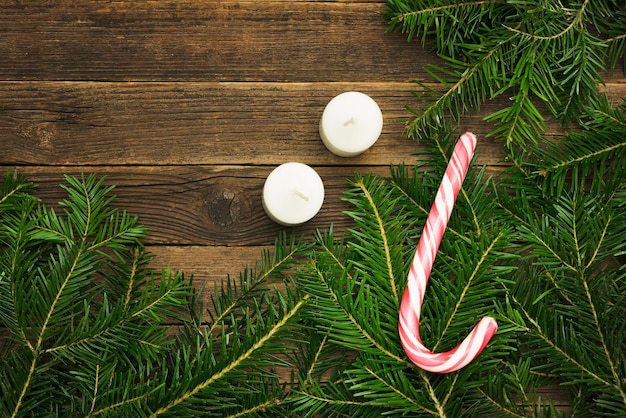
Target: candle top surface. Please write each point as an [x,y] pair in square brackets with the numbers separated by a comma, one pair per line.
[351,122]
[293,193]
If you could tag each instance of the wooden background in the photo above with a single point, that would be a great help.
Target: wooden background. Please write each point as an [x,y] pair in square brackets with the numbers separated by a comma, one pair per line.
[187,106]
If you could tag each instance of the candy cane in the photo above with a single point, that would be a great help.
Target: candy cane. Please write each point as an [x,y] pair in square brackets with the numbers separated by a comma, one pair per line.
[413,296]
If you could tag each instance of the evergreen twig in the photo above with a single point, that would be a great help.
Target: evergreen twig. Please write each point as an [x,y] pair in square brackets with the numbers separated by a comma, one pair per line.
[544,55]
[85,318]
[542,248]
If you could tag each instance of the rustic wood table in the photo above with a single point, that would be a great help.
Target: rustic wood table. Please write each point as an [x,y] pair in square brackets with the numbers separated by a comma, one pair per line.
[187,106]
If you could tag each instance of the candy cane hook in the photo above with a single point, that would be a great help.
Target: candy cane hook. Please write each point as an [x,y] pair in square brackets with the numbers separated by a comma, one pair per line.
[413,296]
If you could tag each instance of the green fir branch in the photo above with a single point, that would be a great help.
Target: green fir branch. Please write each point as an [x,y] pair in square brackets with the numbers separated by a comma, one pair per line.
[261,343]
[541,248]
[548,57]
[362,187]
[572,239]
[230,297]
[88,320]
[348,279]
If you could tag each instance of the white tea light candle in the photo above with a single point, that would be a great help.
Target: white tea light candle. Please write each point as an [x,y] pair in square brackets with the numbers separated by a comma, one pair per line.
[293,193]
[351,123]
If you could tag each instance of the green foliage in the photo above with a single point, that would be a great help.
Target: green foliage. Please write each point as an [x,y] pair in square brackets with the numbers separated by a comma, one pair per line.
[568,210]
[85,322]
[86,325]
[544,55]
[356,284]
[542,249]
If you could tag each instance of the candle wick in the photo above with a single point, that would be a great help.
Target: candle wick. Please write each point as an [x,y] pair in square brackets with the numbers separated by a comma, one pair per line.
[302,195]
[350,121]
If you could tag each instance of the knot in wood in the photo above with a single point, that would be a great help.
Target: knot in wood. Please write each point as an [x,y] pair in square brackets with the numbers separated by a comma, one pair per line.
[224,208]
[40,135]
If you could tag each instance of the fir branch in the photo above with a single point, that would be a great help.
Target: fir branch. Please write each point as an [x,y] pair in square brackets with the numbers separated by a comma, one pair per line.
[15,187]
[132,276]
[423,17]
[86,319]
[576,20]
[392,281]
[439,411]
[37,349]
[228,299]
[232,298]
[454,99]
[112,323]
[591,155]
[502,406]
[545,54]
[391,386]
[541,334]
[602,338]
[107,409]
[402,17]
[314,363]
[616,50]
[470,281]
[236,362]
[260,408]
[314,401]
[574,239]
[356,330]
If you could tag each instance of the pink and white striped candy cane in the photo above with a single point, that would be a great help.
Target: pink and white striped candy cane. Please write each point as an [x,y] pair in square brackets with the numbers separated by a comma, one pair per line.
[413,296]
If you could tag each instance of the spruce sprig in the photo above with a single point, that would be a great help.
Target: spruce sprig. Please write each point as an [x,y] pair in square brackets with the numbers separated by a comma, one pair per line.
[356,282]
[547,256]
[86,322]
[545,56]
[570,288]
[600,146]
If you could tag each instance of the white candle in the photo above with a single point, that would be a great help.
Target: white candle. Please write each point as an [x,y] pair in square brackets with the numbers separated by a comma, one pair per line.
[293,193]
[351,123]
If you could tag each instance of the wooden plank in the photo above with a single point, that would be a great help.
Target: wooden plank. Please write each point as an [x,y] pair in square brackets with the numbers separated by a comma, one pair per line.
[203,40]
[204,205]
[83,123]
[184,123]
[209,266]
[193,123]
[201,205]
[210,263]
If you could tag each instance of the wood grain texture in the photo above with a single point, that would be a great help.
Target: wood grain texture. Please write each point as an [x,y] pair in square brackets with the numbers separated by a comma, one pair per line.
[207,266]
[188,105]
[84,123]
[204,205]
[202,40]
[170,123]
